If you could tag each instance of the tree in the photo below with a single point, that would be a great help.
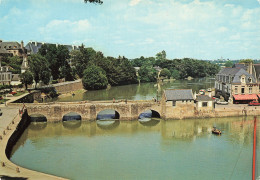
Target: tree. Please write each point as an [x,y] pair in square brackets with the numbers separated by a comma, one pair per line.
[57,57]
[175,74]
[246,61]
[94,78]
[40,69]
[165,73]
[94,1]
[229,64]
[26,78]
[147,74]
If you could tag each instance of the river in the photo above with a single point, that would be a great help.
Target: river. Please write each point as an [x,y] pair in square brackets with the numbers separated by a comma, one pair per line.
[143,91]
[156,149]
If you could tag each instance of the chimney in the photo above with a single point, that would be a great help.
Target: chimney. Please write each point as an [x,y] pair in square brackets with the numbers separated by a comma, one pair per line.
[250,68]
[22,44]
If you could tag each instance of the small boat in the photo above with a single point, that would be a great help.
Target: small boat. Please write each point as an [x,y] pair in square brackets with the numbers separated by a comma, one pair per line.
[216,131]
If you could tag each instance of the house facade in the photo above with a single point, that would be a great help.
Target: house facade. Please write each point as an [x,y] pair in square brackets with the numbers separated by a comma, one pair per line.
[234,83]
[177,103]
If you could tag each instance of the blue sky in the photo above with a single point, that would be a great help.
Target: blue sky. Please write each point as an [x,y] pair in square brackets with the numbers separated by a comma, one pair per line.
[199,29]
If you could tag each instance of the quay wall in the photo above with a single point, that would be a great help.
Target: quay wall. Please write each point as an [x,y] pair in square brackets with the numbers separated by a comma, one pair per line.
[68,86]
[9,137]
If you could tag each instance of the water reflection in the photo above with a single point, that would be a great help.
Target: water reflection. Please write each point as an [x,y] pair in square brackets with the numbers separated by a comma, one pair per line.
[173,148]
[72,124]
[108,125]
[149,121]
[236,129]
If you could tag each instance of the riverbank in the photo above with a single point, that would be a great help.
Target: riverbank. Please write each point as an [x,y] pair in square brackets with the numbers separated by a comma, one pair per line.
[11,127]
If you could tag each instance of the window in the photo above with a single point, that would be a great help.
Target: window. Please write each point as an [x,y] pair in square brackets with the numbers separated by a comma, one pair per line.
[204,104]
[173,103]
[243,80]
[250,90]
[250,79]
[242,90]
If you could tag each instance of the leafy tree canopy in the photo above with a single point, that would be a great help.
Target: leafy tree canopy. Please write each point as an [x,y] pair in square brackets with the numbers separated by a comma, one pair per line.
[94,78]
[246,61]
[94,1]
[26,78]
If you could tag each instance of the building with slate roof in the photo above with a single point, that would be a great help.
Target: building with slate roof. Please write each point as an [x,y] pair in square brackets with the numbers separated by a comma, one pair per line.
[204,103]
[13,48]
[34,46]
[177,102]
[240,80]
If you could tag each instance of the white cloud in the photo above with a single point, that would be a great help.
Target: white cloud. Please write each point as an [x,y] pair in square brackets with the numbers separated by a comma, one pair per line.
[134,2]
[62,29]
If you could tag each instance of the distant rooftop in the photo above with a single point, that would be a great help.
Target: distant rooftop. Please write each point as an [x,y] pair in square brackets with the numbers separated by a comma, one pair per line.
[34,46]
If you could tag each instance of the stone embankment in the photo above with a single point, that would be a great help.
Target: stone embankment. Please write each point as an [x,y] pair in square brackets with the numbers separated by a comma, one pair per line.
[12,125]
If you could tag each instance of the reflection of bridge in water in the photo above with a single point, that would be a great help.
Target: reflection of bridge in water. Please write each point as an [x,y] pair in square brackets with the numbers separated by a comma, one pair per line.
[130,110]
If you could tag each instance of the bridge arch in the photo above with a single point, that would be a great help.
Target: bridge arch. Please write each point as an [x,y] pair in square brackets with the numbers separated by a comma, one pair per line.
[37,117]
[71,116]
[149,113]
[108,114]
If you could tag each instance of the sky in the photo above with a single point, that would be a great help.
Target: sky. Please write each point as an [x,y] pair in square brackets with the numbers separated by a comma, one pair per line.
[201,29]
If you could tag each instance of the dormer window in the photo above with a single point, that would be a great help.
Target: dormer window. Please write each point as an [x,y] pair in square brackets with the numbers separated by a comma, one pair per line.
[250,80]
[243,80]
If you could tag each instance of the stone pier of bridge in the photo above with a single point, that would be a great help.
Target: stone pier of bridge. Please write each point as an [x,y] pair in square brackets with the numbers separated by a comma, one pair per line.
[89,110]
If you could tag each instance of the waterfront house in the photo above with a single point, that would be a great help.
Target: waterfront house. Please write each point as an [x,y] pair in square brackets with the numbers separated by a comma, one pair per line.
[234,83]
[177,103]
[204,103]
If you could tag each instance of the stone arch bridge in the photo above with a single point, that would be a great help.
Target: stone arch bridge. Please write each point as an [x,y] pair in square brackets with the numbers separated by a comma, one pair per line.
[88,110]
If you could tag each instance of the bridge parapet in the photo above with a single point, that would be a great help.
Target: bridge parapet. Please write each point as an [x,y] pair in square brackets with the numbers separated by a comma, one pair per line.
[88,110]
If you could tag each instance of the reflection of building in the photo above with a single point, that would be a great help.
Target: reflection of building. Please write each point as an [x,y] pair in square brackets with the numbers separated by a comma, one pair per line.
[204,103]
[177,103]
[239,82]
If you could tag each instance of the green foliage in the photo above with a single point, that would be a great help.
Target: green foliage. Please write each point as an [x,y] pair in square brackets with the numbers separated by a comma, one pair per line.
[26,78]
[118,71]
[175,74]
[229,64]
[82,58]
[161,56]
[246,61]
[147,74]
[165,73]
[6,87]
[14,62]
[40,68]
[94,1]
[94,78]
[138,62]
[57,57]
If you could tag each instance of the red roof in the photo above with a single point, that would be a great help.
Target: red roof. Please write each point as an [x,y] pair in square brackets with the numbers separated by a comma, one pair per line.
[246,97]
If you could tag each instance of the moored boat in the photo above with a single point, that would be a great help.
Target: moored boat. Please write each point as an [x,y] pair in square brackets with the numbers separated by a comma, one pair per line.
[216,131]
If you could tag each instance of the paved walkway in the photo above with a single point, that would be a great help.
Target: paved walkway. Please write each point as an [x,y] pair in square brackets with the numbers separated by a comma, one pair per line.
[8,170]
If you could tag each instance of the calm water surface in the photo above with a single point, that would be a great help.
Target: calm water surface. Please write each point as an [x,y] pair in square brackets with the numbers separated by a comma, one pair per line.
[143,91]
[177,149]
